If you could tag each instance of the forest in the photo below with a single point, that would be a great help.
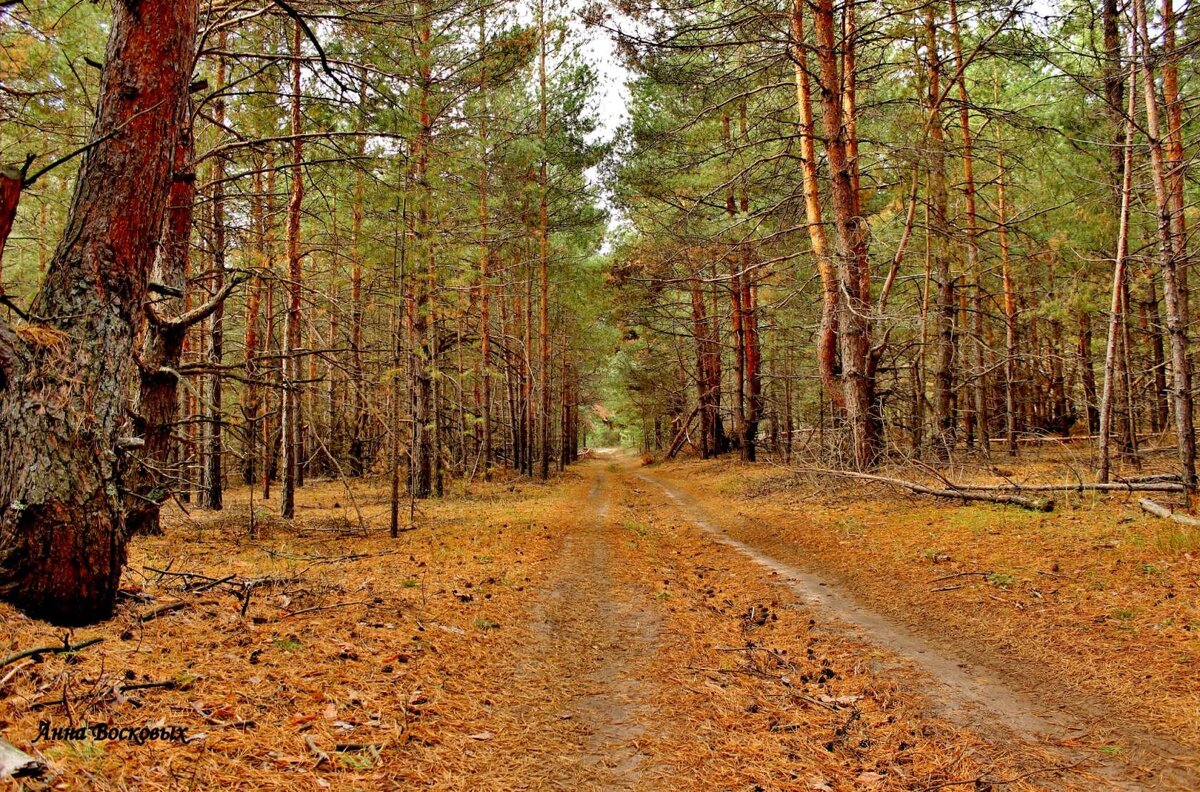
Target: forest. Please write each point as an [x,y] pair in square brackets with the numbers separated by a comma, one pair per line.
[517,394]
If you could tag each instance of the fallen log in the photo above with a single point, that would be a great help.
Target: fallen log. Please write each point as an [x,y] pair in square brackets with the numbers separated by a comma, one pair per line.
[15,763]
[1158,510]
[1082,486]
[1006,498]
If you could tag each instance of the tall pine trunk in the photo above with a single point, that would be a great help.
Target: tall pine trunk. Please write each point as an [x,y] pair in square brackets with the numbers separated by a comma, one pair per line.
[1174,286]
[853,264]
[64,385]
[290,423]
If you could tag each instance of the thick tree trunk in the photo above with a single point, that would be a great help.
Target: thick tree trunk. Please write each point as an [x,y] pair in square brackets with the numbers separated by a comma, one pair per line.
[157,402]
[64,385]
[853,264]
[10,198]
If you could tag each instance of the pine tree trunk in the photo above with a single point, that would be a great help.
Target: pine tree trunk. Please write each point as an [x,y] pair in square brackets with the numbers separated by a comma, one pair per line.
[358,453]
[827,339]
[212,489]
[485,261]
[157,405]
[753,346]
[853,263]
[1087,373]
[1010,302]
[1174,286]
[543,257]
[969,196]
[252,405]
[944,403]
[1153,329]
[290,441]
[64,385]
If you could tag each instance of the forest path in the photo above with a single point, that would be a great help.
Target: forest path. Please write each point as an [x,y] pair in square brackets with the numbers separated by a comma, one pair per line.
[591,636]
[966,693]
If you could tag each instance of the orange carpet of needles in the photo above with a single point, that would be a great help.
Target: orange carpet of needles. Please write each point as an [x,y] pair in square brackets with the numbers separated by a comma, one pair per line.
[585,635]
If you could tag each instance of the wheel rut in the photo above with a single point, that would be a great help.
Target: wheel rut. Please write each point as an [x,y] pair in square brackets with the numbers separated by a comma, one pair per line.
[591,634]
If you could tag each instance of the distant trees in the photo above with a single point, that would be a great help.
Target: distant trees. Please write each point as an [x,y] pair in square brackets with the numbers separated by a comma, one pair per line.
[934,221]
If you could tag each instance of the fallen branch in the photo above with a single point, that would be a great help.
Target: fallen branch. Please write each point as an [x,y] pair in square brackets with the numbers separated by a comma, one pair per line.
[1094,486]
[682,435]
[1035,504]
[1158,510]
[315,750]
[15,763]
[161,610]
[41,650]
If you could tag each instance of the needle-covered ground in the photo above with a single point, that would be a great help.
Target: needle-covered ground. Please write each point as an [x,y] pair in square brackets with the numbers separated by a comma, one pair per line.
[587,634]
[1094,609]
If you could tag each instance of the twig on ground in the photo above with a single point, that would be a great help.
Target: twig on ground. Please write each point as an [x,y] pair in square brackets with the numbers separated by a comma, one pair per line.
[958,575]
[41,650]
[162,610]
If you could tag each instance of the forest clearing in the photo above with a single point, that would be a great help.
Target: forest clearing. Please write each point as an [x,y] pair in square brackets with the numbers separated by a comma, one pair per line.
[531,394]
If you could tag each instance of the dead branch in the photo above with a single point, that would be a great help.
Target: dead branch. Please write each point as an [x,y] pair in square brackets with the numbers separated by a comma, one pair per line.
[161,610]
[1033,504]
[1123,486]
[200,312]
[290,614]
[682,434]
[959,575]
[41,650]
[1158,510]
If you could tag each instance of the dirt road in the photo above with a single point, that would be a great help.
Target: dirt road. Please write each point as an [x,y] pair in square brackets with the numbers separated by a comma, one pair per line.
[625,645]
[592,640]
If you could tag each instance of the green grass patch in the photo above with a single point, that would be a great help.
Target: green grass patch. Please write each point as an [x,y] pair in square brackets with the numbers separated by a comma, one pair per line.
[1179,539]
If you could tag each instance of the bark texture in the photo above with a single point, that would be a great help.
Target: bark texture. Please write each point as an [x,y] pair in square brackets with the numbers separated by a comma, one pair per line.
[64,381]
